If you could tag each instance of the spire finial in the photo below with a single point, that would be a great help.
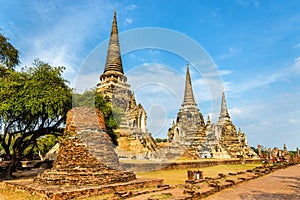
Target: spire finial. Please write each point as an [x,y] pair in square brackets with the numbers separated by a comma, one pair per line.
[224,115]
[208,120]
[113,65]
[188,91]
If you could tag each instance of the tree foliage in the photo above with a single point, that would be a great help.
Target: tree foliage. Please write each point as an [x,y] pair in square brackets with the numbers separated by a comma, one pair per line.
[159,140]
[112,117]
[45,143]
[9,56]
[34,103]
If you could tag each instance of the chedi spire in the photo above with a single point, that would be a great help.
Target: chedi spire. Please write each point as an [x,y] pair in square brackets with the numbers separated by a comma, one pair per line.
[113,65]
[188,91]
[224,115]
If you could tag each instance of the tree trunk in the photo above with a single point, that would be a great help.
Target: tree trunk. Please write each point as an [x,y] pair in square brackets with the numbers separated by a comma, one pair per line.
[10,168]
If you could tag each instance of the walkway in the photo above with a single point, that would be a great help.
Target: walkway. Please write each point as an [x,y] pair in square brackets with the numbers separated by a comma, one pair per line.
[279,185]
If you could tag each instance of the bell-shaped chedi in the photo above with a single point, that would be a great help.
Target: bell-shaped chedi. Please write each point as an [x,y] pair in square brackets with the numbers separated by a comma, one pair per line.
[189,129]
[86,154]
[133,137]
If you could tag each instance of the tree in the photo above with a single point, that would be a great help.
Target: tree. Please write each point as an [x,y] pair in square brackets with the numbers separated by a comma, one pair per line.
[34,103]
[112,117]
[255,150]
[159,140]
[45,143]
[9,56]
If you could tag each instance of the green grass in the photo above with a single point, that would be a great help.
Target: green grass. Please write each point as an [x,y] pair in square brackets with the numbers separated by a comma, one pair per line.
[162,196]
[178,176]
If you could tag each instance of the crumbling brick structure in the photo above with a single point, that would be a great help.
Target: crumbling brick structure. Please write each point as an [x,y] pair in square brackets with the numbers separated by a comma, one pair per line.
[86,154]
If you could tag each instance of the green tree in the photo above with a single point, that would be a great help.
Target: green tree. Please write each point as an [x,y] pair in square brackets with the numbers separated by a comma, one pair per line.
[112,117]
[9,56]
[34,103]
[159,140]
[45,143]
[255,150]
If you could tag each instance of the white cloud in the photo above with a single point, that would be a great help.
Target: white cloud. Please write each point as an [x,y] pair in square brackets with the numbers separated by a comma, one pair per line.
[230,52]
[296,66]
[235,111]
[128,21]
[297,45]
[247,3]
[228,86]
[131,7]
[85,82]
[159,88]
[225,72]
[266,79]
[60,35]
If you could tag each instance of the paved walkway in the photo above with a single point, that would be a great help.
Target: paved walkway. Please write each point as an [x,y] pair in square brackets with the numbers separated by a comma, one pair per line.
[279,185]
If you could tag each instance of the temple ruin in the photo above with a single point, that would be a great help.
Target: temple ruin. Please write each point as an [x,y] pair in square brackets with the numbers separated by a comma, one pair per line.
[220,140]
[189,136]
[86,154]
[135,142]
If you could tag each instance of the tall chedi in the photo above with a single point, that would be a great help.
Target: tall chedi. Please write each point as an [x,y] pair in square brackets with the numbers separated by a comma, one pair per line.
[189,128]
[234,142]
[113,83]
[133,137]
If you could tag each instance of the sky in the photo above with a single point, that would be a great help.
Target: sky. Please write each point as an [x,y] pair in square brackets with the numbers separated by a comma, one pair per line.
[249,48]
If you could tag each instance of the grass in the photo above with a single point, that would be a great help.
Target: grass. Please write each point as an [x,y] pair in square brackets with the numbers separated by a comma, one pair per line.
[174,177]
[162,196]
[9,194]
[99,197]
[171,177]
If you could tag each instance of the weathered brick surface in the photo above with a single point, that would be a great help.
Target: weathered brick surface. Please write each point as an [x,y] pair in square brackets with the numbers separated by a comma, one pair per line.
[200,188]
[86,155]
[279,185]
[57,192]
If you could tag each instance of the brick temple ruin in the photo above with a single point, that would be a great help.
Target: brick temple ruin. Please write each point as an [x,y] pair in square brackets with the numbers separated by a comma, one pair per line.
[86,164]
[189,135]
[220,140]
[133,133]
[278,155]
[86,154]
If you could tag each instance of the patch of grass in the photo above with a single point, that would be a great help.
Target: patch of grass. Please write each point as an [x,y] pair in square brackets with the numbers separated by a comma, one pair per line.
[10,194]
[98,197]
[162,196]
[178,176]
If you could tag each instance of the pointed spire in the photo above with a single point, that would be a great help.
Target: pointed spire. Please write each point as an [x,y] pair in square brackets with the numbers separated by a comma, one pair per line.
[240,132]
[224,115]
[188,91]
[113,65]
[208,122]
[132,103]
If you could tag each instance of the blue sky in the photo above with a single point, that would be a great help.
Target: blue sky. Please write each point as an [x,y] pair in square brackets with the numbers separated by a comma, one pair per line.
[254,44]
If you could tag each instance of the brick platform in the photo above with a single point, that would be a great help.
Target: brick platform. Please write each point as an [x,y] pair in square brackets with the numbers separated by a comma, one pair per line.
[56,192]
[283,184]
